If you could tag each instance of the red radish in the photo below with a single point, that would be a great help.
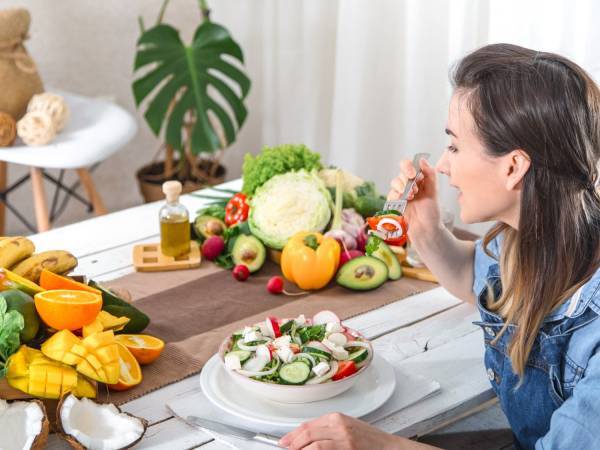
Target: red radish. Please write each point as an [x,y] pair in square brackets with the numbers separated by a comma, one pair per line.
[361,239]
[346,256]
[273,326]
[323,317]
[241,272]
[275,286]
[213,247]
[345,369]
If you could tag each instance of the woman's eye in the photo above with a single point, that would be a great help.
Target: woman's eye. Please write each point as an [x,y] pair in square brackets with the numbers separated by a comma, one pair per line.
[452,149]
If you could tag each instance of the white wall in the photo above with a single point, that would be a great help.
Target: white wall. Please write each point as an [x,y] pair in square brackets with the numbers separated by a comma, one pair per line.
[365,83]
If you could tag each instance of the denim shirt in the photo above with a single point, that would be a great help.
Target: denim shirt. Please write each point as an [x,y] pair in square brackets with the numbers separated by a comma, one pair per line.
[557,405]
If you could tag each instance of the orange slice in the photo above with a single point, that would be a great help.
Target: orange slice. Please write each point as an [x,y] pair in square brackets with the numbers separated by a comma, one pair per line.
[52,281]
[67,309]
[143,347]
[130,371]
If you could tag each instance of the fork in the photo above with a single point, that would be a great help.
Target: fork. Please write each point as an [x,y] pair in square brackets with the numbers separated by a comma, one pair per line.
[400,204]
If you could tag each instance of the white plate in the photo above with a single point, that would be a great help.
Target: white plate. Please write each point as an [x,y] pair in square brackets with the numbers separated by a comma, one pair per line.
[373,390]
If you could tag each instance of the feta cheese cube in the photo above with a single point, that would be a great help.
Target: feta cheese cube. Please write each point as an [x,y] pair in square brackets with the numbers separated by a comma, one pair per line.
[232,362]
[252,336]
[334,327]
[285,354]
[300,320]
[321,369]
[282,341]
[330,345]
[340,353]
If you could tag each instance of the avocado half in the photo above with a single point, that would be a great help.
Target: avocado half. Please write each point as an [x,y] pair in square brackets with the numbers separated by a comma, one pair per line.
[363,273]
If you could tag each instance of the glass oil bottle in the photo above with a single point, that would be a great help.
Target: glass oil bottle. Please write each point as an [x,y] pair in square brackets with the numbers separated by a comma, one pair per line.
[174,222]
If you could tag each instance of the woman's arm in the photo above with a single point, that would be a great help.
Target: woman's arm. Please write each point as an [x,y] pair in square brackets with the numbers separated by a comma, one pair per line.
[339,432]
[449,258]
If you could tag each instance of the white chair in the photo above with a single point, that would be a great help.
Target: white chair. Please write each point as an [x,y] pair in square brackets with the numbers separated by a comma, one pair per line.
[95,130]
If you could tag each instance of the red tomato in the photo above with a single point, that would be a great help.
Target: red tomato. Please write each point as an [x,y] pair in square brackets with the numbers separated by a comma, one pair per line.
[345,369]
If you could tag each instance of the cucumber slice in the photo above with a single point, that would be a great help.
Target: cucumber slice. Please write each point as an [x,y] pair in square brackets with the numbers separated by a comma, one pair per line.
[243,355]
[296,372]
[316,352]
[359,355]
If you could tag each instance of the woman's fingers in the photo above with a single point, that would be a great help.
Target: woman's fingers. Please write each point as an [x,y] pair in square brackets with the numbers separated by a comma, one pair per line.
[312,434]
[407,168]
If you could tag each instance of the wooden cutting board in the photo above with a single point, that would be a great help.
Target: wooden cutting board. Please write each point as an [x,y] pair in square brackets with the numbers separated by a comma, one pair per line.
[149,258]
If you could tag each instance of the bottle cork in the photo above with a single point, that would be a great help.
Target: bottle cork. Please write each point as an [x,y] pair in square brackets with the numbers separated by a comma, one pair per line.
[171,189]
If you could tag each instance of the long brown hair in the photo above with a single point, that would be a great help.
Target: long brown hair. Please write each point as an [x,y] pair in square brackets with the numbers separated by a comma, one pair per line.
[549,107]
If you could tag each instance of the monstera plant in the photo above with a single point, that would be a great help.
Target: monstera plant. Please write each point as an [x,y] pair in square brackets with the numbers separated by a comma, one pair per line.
[193,97]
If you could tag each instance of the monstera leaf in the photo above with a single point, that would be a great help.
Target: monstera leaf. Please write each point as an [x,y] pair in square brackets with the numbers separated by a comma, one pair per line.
[184,74]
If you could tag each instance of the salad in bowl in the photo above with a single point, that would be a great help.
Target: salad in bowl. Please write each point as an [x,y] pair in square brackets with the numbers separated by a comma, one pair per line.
[296,360]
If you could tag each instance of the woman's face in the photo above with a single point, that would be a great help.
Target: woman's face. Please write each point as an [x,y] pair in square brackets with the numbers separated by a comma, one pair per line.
[481,179]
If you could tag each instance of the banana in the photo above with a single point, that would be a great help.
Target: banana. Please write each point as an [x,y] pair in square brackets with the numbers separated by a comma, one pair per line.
[57,261]
[14,250]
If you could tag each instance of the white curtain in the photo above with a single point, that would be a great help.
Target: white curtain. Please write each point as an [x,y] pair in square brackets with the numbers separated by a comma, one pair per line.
[365,83]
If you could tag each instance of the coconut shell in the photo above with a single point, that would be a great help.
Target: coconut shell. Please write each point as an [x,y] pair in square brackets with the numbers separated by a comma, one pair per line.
[75,444]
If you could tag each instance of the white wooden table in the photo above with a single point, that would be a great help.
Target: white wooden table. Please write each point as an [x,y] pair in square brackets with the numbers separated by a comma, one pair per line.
[429,334]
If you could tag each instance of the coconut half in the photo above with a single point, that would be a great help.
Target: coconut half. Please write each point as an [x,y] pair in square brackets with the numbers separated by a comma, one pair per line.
[27,422]
[86,424]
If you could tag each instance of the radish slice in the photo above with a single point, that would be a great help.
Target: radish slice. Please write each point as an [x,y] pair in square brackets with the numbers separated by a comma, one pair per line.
[337,339]
[257,373]
[251,348]
[262,351]
[273,326]
[327,376]
[324,317]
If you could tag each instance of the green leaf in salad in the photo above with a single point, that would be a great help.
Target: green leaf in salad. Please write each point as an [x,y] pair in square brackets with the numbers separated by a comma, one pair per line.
[311,333]
[11,324]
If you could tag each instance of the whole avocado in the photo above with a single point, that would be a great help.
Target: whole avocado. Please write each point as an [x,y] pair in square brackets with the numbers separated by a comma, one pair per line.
[17,300]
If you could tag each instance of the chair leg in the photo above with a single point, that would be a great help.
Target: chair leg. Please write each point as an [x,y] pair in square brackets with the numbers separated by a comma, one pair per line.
[3,178]
[39,199]
[94,196]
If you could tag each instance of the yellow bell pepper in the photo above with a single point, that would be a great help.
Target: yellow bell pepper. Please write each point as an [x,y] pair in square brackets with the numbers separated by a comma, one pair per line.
[310,260]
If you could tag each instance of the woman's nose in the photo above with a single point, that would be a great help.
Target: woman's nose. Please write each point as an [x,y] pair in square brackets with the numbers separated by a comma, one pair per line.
[443,164]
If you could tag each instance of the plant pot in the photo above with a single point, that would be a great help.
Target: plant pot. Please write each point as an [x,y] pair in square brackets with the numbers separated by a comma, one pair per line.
[151,177]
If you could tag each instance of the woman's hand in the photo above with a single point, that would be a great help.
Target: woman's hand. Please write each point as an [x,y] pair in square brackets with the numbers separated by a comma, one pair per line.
[422,212]
[339,432]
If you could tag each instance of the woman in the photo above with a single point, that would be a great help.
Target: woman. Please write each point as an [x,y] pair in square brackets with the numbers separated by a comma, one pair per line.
[525,145]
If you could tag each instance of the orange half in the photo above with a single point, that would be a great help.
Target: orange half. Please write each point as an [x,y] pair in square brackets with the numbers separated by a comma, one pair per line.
[67,309]
[143,347]
[52,281]
[130,373]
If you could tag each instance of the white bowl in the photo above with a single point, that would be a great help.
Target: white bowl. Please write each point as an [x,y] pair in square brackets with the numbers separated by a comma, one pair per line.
[283,393]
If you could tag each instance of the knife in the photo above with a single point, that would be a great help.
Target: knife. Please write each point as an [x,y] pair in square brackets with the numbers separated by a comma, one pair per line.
[232,431]
[400,204]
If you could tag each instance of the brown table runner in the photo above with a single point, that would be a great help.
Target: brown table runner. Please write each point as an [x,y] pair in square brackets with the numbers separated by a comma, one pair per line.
[194,310]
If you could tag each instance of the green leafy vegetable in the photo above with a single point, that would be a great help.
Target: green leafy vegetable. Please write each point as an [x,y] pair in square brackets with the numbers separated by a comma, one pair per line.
[312,333]
[257,170]
[372,244]
[358,194]
[215,210]
[225,259]
[11,324]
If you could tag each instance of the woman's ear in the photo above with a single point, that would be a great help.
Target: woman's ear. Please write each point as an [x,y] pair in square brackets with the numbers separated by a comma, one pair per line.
[517,165]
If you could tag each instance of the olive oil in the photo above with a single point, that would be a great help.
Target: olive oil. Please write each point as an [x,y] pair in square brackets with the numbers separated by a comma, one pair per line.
[174,222]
